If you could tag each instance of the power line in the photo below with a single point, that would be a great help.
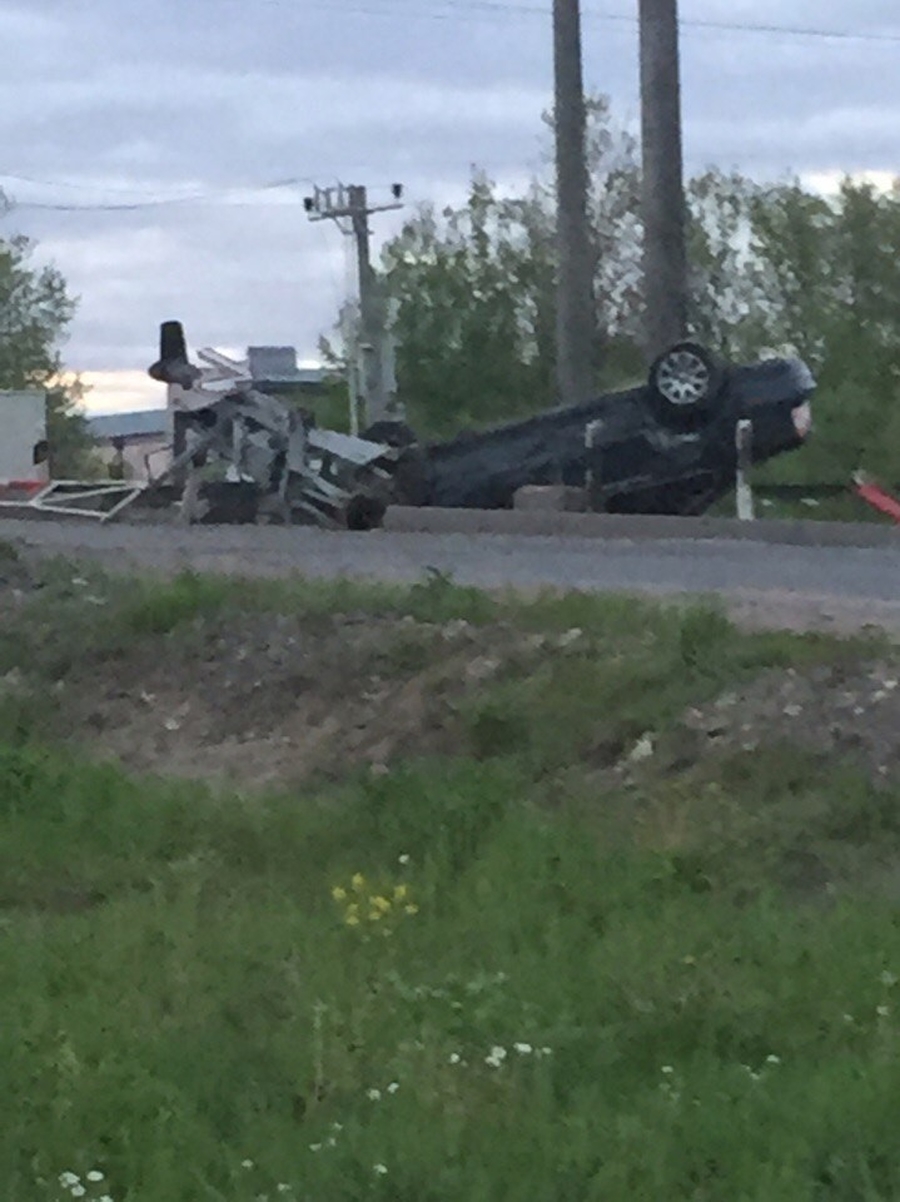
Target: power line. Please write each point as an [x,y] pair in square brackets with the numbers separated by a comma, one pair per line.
[223,196]
[449,9]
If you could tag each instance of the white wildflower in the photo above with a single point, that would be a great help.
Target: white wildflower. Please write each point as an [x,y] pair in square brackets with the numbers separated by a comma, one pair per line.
[246,1164]
[773,1059]
[393,1087]
[524,1049]
[667,1069]
[454,1058]
[404,859]
[380,1169]
[882,1011]
[374,1095]
[642,750]
[888,980]
[67,1180]
[496,1056]
[94,1175]
[315,1147]
[570,637]
[77,1191]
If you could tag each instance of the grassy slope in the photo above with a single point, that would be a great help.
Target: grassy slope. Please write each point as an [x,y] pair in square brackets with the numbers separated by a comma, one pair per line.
[181,993]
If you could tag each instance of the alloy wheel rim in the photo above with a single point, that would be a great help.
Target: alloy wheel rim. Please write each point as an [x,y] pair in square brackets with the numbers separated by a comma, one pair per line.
[683,378]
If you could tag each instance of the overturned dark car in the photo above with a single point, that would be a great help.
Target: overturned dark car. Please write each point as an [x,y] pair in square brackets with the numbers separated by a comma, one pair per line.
[668,447]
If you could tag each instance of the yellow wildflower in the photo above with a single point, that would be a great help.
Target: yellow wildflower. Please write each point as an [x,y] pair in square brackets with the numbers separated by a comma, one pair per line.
[358,880]
[374,915]
[352,920]
[339,894]
[380,903]
[412,909]
[400,892]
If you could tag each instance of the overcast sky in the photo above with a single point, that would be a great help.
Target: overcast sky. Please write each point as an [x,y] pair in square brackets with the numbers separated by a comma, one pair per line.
[126,101]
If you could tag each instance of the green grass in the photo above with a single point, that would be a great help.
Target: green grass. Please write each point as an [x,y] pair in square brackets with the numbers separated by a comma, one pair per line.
[181,993]
[698,1015]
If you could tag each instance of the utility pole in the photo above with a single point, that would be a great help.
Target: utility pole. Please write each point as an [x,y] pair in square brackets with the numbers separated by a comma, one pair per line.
[575,313]
[663,203]
[349,208]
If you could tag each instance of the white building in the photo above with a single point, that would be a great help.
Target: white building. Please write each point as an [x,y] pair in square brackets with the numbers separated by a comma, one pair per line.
[23,441]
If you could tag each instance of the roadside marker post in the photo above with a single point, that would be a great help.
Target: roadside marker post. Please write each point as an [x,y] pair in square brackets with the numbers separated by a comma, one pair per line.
[744,443]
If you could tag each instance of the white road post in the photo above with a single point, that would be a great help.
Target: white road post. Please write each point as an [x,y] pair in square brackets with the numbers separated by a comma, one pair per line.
[589,432]
[744,443]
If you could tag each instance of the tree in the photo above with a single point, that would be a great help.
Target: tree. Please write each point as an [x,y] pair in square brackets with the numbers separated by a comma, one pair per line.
[476,287]
[35,311]
[476,319]
[72,446]
[834,271]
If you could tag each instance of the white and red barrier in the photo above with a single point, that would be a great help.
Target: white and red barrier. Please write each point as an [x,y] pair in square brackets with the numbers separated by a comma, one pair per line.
[877,497]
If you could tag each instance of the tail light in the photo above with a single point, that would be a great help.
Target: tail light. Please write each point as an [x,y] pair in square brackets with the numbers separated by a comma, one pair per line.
[802,419]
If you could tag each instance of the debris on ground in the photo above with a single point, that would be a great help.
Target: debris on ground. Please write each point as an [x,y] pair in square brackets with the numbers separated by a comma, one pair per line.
[847,713]
[262,700]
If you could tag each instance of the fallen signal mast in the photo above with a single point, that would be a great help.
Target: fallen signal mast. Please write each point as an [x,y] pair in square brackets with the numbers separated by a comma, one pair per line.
[295,471]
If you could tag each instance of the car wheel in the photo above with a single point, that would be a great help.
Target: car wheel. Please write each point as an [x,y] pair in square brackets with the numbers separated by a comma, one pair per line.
[685,379]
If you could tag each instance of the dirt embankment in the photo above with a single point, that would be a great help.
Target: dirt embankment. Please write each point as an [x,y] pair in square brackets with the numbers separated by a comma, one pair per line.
[255,699]
[268,699]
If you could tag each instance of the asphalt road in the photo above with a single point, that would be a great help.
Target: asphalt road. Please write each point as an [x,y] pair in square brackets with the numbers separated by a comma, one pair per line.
[768,584]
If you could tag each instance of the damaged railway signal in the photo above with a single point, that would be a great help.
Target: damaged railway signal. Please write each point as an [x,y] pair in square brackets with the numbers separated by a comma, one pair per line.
[666,447]
[274,452]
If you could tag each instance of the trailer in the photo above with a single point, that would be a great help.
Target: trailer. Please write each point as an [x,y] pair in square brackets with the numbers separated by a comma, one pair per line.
[24,451]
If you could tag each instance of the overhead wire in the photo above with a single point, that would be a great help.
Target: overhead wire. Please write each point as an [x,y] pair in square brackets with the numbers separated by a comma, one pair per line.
[449,8]
[224,196]
[227,196]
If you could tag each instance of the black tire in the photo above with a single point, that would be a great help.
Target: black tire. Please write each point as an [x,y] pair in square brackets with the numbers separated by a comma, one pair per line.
[365,512]
[391,433]
[686,381]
